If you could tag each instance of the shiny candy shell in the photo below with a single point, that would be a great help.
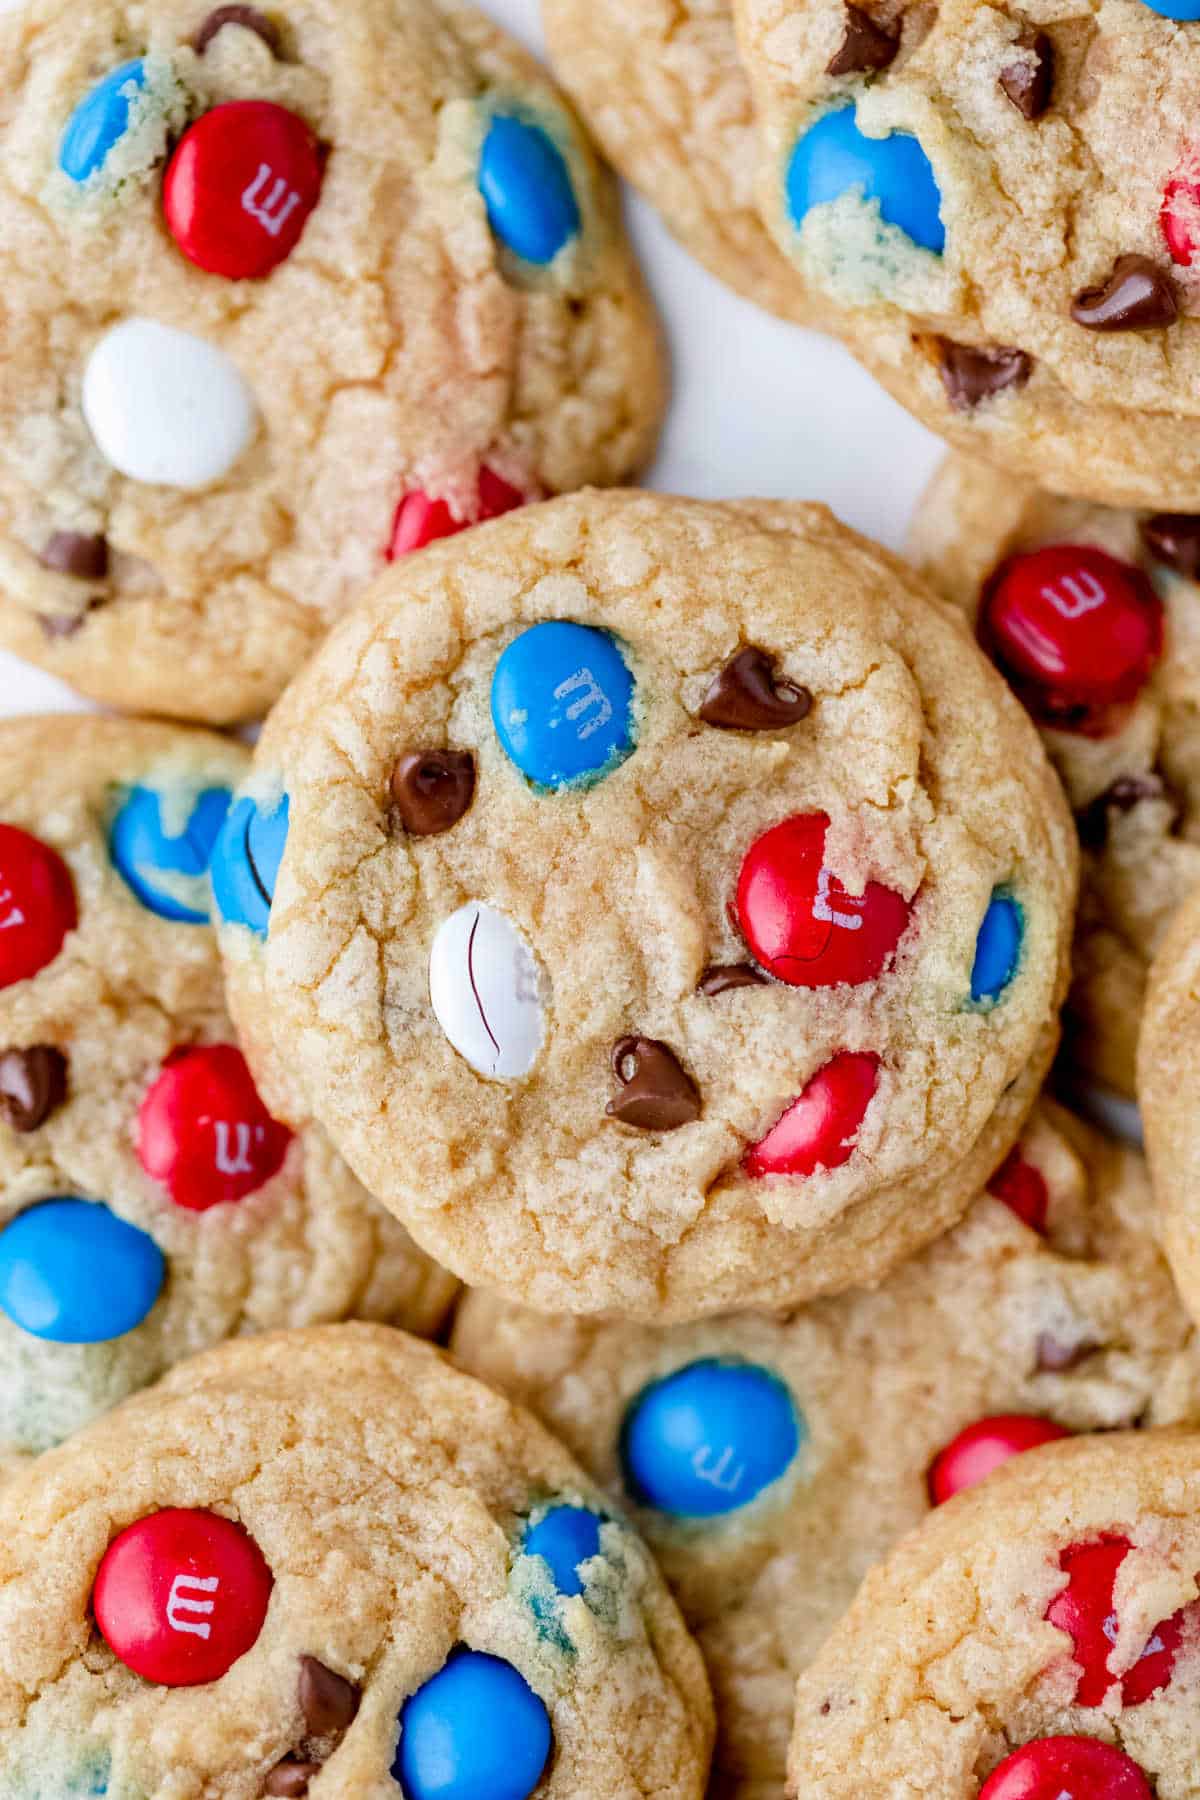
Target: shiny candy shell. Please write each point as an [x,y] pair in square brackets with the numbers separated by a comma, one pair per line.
[181,1595]
[970,1457]
[421,520]
[820,1129]
[562,704]
[484,989]
[245,862]
[1022,1188]
[1185,12]
[1066,1768]
[37,904]
[203,1131]
[161,845]
[475,1731]
[100,121]
[565,1537]
[1086,1610]
[73,1273]
[834,158]
[526,187]
[710,1438]
[165,407]
[997,948]
[241,186]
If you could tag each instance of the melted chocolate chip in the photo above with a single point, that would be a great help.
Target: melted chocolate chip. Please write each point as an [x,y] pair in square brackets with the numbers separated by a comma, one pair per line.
[971,374]
[1174,539]
[33,1084]
[1136,296]
[1029,83]
[290,1778]
[248,17]
[746,696]
[657,1093]
[432,789]
[723,976]
[865,47]
[328,1701]
[1053,1356]
[1126,792]
[76,553]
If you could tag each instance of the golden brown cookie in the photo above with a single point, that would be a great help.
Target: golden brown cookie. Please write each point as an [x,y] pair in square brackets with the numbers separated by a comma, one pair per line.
[1168,1086]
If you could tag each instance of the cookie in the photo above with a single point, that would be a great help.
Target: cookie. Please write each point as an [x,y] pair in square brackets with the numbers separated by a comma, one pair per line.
[150,1205]
[996,208]
[325,1562]
[1168,1074]
[287,293]
[1090,613]
[1036,1638]
[663,90]
[814,1440]
[670,905]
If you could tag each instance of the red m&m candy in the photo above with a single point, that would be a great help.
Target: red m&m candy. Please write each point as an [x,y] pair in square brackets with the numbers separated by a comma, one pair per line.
[240,188]
[1023,1190]
[798,919]
[1084,1609]
[982,1447]
[1180,214]
[1066,1768]
[181,1595]
[204,1132]
[420,520]
[1075,631]
[37,904]
[819,1130]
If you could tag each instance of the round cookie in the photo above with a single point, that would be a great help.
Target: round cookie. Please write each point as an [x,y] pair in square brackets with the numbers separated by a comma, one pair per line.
[996,208]
[603,960]
[287,293]
[1168,1076]
[408,1586]
[662,88]
[1051,1302]
[1036,1638]
[1091,613]
[149,1203]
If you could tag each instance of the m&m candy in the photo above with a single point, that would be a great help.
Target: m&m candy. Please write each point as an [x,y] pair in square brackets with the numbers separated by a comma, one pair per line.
[484,988]
[37,904]
[241,186]
[526,187]
[245,862]
[475,1731]
[72,1272]
[997,948]
[820,1129]
[100,121]
[421,520]
[562,704]
[161,845]
[710,1438]
[1022,1188]
[203,1131]
[1066,1768]
[565,1537]
[835,157]
[1086,1610]
[971,1456]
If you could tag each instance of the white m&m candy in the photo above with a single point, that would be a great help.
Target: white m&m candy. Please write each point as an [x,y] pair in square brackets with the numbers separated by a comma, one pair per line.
[484,987]
[165,407]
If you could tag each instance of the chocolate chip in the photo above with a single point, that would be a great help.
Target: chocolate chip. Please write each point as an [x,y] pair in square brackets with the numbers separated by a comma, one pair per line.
[33,1084]
[1137,294]
[328,1701]
[76,553]
[432,789]
[1174,539]
[746,696]
[723,976]
[657,1093]
[1029,83]
[971,374]
[1053,1356]
[1126,792]
[866,46]
[290,1778]
[248,17]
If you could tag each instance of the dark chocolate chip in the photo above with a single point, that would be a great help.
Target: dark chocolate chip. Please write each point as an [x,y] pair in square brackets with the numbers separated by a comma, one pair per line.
[657,1093]
[76,553]
[1029,83]
[1174,539]
[290,1778]
[1053,1356]
[1137,295]
[328,1701]
[432,789]
[33,1084]
[723,976]
[971,374]
[865,47]
[1126,792]
[248,17]
[746,696]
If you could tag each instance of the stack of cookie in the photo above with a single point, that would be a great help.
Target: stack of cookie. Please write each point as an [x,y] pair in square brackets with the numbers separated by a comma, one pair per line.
[632,953]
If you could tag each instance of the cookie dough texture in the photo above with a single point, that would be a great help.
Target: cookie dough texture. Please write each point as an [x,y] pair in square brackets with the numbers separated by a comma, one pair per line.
[127,988]
[1141,860]
[663,90]
[388,1494]
[1168,1089]
[398,323]
[1082,1326]
[1035,212]
[946,1662]
[933,781]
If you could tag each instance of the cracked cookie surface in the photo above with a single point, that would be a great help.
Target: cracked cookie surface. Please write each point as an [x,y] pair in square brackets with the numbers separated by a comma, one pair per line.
[680,1004]
[1168,1066]
[185,393]
[149,1204]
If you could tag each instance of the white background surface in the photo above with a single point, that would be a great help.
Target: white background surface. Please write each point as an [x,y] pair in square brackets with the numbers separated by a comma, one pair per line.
[759,407]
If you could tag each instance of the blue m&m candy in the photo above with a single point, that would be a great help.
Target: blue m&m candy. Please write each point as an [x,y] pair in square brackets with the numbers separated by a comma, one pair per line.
[998,947]
[526,187]
[565,1537]
[708,1439]
[73,1273]
[162,845]
[562,704]
[99,121]
[245,863]
[1185,11]
[834,158]
[476,1731]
